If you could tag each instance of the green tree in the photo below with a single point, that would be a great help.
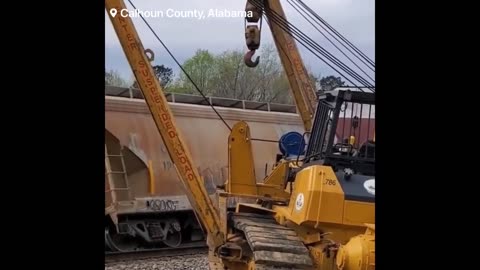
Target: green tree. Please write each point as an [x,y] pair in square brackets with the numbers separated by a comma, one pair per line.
[271,83]
[331,82]
[229,70]
[177,86]
[113,78]
[226,75]
[201,68]
[164,75]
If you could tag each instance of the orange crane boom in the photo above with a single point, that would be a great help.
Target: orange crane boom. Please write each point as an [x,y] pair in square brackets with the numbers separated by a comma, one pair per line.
[301,86]
[164,120]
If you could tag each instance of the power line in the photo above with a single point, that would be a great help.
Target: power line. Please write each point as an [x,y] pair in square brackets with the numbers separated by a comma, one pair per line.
[337,33]
[297,7]
[304,39]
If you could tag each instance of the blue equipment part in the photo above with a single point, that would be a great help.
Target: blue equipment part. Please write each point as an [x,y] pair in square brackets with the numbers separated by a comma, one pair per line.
[292,144]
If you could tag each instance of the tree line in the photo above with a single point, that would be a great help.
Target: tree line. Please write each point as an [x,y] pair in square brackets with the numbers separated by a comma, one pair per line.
[225,75]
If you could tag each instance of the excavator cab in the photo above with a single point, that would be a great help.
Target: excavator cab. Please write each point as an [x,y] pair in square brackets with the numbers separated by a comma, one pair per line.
[343,132]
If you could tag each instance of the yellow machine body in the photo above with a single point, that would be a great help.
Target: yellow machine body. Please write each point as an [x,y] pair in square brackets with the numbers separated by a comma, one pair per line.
[241,176]
[326,218]
[359,252]
[329,213]
[337,227]
[318,198]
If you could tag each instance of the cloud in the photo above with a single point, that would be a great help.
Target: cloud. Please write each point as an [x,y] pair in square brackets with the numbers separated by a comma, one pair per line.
[183,36]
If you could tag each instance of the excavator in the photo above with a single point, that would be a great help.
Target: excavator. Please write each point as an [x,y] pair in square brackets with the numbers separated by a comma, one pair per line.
[316,209]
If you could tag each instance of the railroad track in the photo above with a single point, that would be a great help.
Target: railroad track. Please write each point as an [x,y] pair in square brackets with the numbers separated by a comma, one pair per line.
[182,250]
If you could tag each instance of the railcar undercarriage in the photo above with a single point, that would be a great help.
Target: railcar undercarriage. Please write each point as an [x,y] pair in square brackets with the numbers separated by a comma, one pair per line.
[137,232]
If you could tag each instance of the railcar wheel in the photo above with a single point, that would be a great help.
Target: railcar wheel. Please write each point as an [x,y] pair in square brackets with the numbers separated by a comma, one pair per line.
[120,243]
[108,241]
[174,235]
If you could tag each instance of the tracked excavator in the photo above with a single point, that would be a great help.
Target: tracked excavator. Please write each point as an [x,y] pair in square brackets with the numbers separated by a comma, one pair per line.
[316,209]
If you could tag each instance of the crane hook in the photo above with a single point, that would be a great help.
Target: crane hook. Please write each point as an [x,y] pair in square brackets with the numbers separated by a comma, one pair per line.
[248,59]
[150,55]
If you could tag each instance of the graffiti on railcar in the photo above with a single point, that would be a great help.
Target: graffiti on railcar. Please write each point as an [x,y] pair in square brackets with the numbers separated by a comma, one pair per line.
[167,165]
[208,180]
[159,205]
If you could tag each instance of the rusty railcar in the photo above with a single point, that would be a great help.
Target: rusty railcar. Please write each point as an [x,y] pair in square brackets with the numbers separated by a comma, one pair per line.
[141,183]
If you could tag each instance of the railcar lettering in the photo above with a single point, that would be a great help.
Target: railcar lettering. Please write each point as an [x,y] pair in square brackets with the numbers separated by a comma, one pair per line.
[162,205]
[167,165]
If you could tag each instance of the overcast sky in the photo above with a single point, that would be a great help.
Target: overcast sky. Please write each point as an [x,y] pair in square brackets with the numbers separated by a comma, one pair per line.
[354,19]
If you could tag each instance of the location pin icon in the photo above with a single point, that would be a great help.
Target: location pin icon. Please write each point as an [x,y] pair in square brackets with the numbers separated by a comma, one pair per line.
[113,12]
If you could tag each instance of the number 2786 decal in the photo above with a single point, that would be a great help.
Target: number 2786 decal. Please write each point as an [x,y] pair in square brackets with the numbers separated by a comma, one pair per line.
[330,182]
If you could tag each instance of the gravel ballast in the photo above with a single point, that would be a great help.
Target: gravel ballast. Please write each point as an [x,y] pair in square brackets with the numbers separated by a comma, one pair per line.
[187,262]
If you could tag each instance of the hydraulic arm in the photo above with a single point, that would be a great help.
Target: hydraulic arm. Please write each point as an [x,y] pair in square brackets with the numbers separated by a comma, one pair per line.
[302,89]
[164,120]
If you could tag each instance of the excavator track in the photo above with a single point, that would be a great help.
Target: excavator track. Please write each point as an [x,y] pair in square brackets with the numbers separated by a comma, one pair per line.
[274,246]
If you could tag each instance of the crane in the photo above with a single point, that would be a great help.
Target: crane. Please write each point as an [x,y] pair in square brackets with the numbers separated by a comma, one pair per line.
[301,86]
[326,220]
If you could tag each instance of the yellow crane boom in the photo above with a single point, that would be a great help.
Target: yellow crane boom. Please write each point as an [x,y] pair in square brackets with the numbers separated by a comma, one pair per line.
[301,86]
[164,120]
